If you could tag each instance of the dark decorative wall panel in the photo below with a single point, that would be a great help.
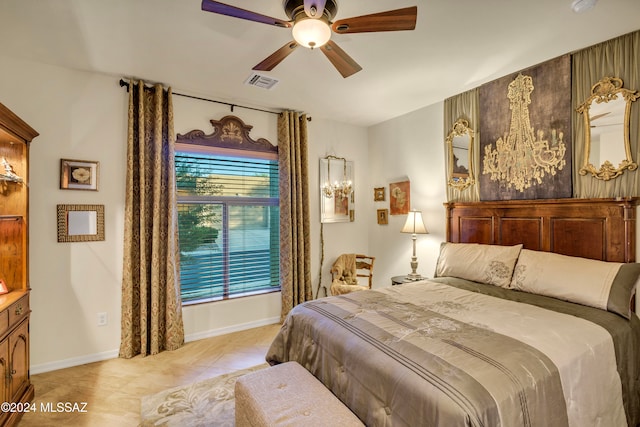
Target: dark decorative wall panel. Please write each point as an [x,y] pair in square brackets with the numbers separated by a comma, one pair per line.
[525,134]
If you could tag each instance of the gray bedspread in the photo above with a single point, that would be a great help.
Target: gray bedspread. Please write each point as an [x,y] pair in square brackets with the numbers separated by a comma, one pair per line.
[435,353]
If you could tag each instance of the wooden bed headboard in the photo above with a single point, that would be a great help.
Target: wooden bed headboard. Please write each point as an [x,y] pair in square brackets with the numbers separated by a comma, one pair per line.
[602,229]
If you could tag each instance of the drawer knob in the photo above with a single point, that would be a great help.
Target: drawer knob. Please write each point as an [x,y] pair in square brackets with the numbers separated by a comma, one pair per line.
[19,309]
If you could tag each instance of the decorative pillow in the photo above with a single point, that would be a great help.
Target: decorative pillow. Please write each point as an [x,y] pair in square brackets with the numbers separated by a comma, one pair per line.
[605,285]
[492,264]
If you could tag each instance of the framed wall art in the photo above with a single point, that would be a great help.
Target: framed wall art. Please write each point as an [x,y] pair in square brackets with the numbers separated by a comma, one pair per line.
[383,216]
[399,198]
[525,134]
[379,194]
[78,175]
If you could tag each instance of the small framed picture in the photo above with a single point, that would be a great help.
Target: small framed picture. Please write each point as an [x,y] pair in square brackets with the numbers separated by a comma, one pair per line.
[78,175]
[383,216]
[379,194]
[3,287]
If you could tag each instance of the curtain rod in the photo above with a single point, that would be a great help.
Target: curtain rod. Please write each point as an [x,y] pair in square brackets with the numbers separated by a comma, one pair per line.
[126,84]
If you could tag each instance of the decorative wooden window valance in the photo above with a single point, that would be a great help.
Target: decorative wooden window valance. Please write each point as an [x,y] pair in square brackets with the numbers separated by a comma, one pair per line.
[228,132]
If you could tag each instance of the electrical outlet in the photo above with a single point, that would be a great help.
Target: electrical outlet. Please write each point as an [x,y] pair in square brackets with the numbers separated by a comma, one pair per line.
[102,319]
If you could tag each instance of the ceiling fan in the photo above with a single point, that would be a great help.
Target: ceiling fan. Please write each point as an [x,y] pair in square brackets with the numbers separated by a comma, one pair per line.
[310,21]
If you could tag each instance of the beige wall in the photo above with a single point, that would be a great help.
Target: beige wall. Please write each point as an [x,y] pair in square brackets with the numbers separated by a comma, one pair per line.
[408,147]
[82,115]
[79,116]
[203,320]
[350,142]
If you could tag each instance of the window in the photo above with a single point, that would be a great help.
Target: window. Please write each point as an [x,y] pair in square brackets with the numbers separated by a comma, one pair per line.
[228,222]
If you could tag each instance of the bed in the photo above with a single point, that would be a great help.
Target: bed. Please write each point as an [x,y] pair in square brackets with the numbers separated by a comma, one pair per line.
[527,323]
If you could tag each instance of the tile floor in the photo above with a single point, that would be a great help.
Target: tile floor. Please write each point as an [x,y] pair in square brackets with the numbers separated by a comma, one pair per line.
[112,389]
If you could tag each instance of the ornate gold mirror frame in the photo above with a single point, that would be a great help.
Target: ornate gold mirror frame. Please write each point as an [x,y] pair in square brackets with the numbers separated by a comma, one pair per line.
[606,114]
[80,223]
[460,152]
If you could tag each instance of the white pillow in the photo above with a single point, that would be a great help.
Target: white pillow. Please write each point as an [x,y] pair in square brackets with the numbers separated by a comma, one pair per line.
[605,285]
[492,264]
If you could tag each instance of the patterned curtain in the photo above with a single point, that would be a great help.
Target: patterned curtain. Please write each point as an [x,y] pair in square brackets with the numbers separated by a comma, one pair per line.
[295,259]
[151,305]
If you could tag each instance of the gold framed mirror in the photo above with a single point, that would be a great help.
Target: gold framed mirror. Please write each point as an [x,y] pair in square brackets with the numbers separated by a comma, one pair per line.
[606,115]
[336,190]
[460,153]
[80,223]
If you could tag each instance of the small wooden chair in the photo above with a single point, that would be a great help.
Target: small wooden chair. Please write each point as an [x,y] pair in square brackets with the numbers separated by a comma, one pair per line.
[363,269]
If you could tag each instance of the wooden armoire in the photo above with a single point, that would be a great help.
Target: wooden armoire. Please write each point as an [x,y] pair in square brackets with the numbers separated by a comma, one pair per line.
[15,384]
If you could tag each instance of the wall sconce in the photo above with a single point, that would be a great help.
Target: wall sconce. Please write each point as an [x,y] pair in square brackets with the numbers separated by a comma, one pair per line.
[415,226]
[339,189]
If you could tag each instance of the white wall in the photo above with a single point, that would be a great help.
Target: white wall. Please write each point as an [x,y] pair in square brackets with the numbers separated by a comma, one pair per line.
[350,142]
[408,147]
[79,116]
[204,320]
[82,115]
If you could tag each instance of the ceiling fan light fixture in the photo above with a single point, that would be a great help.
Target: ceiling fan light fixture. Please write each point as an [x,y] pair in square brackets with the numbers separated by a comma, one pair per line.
[311,33]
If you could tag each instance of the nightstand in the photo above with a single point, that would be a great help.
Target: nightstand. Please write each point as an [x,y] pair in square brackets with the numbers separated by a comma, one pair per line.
[398,280]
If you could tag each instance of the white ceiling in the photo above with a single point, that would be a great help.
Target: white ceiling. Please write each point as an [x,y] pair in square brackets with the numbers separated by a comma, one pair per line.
[457,45]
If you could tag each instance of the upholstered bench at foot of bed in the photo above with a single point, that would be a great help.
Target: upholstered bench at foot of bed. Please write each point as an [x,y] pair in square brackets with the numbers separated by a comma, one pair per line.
[288,395]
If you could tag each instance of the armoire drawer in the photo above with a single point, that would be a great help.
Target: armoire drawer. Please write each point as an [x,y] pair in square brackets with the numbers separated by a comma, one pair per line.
[18,310]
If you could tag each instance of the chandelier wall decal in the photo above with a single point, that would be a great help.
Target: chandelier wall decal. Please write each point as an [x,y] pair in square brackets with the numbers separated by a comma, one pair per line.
[523,156]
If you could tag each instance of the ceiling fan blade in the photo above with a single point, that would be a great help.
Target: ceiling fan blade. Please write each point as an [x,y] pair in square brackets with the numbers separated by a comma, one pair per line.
[236,12]
[392,20]
[339,58]
[276,57]
[314,8]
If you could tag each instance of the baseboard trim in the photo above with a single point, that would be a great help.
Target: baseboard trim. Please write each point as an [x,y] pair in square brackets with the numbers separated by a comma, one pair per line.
[230,329]
[112,354]
[74,361]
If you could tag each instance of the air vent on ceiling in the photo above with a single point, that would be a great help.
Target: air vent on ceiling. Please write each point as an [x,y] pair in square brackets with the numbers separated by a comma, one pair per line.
[262,81]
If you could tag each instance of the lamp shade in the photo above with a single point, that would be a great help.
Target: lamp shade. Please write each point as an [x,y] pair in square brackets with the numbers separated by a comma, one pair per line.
[414,224]
[311,32]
